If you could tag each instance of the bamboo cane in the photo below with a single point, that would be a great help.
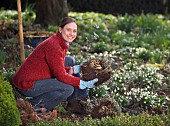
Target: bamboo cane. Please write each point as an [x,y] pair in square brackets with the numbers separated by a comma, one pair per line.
[21,40]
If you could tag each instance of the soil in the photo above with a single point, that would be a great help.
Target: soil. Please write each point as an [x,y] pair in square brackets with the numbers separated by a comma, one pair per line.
[94,108]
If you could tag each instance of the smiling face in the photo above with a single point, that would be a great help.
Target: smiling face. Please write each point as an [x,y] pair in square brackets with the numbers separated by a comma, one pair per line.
[69,31]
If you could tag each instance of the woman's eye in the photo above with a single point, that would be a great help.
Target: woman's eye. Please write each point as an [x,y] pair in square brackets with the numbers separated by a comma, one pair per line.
[68,29]
[74,31]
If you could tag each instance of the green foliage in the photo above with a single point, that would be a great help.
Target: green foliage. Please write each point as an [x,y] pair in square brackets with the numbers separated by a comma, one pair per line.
[120,32]
[8,15]
[92,28]
[61,109]
[7,74]
[9,112]
[27,53]
[100,47]
[166,118]
[28,15]
[126,23]
[98,91]
[52,28]
[150,23]
[143,54]
[123,120]
[2,57]
[157,57]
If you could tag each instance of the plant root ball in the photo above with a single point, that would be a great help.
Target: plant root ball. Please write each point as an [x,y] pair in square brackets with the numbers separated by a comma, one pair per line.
[96,68]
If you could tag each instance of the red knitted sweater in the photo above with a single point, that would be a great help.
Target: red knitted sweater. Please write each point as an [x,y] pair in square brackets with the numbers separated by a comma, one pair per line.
[46,61]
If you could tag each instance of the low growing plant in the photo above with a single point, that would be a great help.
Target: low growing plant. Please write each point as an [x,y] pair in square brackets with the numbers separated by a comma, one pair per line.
[138,85]
[123,120]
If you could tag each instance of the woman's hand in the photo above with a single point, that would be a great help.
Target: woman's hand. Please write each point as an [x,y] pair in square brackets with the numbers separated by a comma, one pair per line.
[88,84]
[75,69]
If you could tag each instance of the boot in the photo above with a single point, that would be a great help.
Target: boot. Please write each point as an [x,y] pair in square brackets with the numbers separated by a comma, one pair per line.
[75,107]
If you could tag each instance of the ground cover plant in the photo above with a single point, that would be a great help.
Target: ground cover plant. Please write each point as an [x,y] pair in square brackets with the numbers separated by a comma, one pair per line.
[138,48]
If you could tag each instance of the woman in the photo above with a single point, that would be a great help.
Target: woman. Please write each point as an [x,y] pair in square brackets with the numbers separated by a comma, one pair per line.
[48,76]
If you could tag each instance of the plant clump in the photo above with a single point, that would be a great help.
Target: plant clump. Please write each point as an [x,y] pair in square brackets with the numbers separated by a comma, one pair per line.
[96,68]
[102,107]
[28,115]
[106,107]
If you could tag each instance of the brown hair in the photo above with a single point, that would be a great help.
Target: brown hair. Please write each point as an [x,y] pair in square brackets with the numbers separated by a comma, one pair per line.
[67,20]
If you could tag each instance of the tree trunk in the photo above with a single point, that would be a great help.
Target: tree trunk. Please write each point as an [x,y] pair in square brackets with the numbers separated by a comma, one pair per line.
[50,12]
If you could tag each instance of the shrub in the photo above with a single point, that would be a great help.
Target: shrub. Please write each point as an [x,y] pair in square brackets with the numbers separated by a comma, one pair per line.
[9,113]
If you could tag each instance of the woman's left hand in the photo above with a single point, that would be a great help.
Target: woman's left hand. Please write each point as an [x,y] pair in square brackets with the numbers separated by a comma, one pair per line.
[75,69]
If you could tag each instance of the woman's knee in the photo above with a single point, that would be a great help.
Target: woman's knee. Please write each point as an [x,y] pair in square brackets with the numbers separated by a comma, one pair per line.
[69,90]
[70,61]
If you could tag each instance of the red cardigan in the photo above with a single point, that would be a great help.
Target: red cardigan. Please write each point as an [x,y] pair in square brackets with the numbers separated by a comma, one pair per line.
[46,61]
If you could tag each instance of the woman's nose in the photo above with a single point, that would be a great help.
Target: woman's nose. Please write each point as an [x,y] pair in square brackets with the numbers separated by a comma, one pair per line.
[71,32]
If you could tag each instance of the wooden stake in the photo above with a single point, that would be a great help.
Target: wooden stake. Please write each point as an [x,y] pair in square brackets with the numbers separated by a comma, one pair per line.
[21,39]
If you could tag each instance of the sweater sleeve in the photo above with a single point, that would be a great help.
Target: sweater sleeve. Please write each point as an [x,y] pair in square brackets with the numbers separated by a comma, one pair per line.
[55,59]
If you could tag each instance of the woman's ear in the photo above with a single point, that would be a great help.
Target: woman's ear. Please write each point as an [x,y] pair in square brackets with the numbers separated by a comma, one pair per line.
[60,29]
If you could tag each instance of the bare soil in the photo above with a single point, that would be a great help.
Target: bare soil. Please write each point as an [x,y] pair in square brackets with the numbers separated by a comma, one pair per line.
[94,108]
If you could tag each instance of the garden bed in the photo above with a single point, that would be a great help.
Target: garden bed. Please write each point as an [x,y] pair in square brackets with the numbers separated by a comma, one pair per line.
[140,81]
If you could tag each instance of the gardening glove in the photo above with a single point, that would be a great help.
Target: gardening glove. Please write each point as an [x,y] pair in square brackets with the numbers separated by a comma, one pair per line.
[83,62]
[88,84]
[74,70]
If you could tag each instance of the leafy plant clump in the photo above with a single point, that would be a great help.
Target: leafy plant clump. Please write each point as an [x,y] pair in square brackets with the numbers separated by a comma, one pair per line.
[9,113]
[28,114]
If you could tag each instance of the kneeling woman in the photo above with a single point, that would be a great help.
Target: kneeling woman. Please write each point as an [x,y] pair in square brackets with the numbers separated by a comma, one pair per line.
[48,76]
